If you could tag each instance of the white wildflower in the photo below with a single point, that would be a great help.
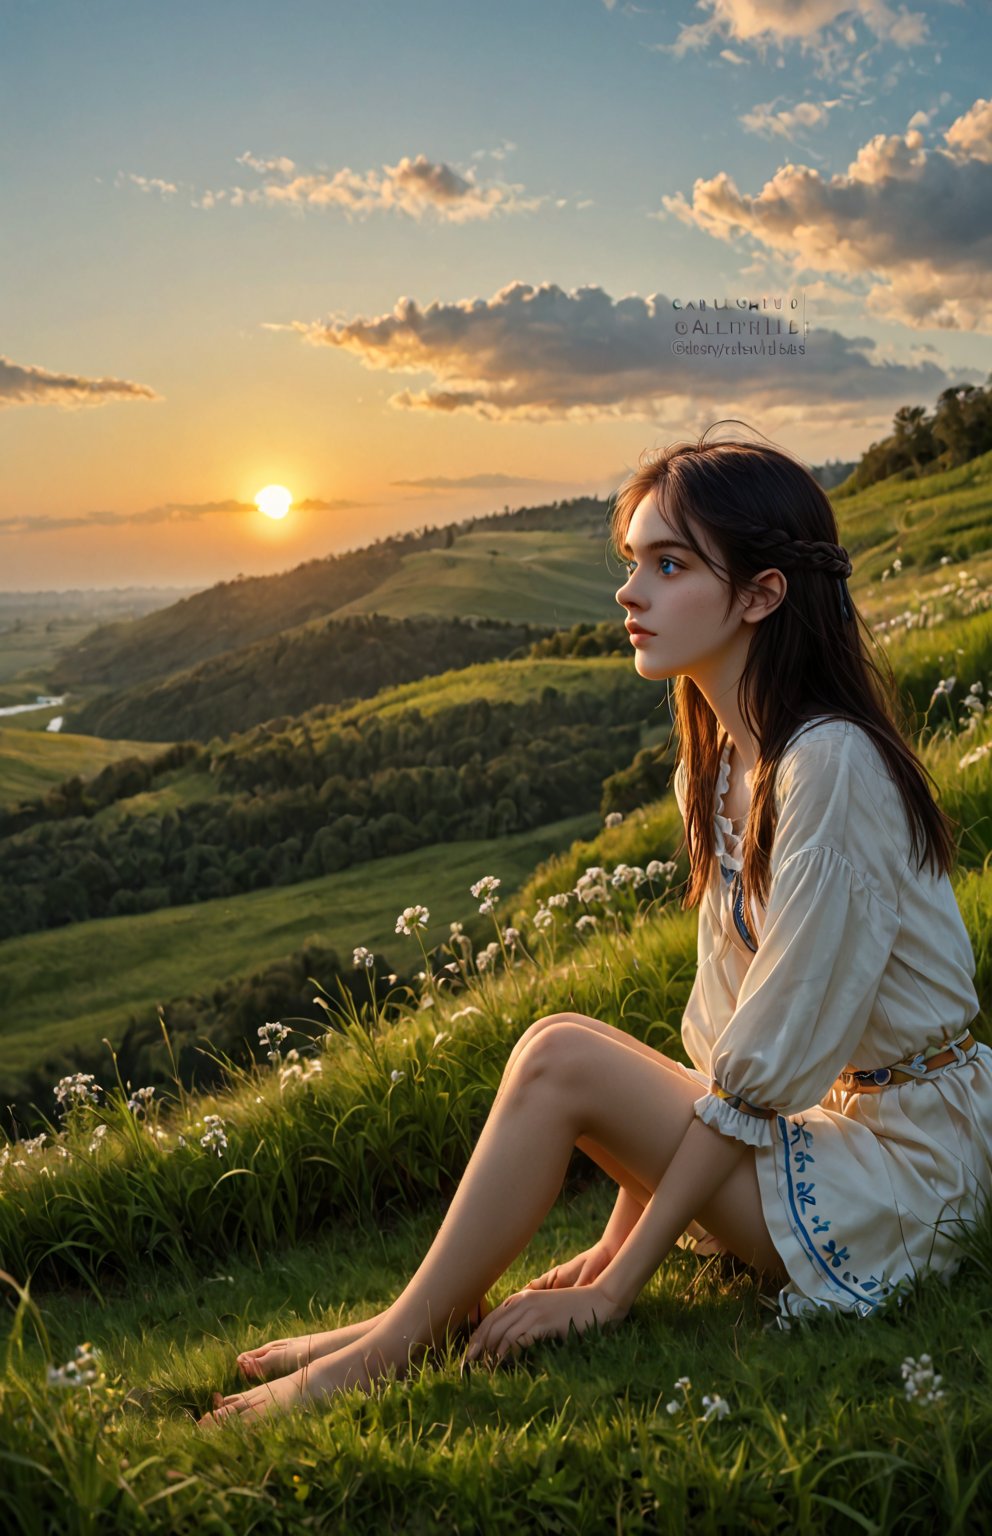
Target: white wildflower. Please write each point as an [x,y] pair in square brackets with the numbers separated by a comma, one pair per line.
[299,1068]
[511,936]
[627,874]
[79,1088]
[363,956]
[543,917]
[410,918]
[139,1101]
[920,1382]
[395,1075]
[715,1407]
[613,819]
[34,1143]
[80,1371]
[486,886]
[587,920]
[485,958]
[591,886]
[975,756]
[97,1137]
[272,1035]
[559,899]
[214,1138]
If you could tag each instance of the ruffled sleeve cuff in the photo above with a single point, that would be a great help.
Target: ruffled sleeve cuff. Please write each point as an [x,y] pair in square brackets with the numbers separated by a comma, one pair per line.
[755,1130]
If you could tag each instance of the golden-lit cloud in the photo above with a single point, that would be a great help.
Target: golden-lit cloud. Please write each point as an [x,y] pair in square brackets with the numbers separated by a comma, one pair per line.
[417,187]
[480,482]
[167,512]
[547,354]
[763,22]
[877,220]
[763,119]
[24,384]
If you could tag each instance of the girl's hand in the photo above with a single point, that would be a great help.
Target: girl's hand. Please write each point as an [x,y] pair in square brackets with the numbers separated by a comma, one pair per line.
[582,1270]
[530,1315]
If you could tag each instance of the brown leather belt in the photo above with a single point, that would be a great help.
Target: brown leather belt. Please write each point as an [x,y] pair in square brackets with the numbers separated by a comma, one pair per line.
[877,1078]
[873,1080]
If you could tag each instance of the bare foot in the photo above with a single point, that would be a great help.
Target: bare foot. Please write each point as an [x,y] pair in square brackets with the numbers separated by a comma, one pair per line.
[316,1384]
[282,1357]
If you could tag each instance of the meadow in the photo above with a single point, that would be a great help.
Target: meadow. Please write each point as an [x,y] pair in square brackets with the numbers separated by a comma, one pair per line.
[166,1242]
[146,1239]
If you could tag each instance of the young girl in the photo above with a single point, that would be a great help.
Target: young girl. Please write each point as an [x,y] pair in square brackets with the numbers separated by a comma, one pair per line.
[834,1128]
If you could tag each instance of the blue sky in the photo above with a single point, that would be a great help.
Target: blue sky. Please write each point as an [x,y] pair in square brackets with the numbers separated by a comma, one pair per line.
[415,263]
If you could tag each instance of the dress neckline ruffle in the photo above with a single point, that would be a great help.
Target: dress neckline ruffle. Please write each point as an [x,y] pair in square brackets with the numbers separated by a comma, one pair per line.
[728,843]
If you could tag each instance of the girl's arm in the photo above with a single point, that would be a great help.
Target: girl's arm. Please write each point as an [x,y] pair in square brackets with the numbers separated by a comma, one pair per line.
[704,1159]
[624,1218]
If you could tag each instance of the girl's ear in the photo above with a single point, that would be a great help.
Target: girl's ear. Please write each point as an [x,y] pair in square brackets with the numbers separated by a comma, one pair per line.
[760,604]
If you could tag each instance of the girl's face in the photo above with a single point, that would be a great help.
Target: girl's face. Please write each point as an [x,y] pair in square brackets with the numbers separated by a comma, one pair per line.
[675,595]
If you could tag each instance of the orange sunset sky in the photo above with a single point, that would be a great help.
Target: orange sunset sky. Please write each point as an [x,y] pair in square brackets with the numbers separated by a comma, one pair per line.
[415,264]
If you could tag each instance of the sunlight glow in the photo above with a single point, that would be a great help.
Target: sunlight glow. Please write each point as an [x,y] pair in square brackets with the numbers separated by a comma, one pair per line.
[274,500]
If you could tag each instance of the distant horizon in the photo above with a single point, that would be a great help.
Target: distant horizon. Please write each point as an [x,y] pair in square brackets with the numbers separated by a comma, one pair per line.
[192,587]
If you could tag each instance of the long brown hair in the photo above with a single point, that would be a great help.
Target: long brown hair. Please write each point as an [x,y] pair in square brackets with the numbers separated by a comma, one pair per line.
[804,659]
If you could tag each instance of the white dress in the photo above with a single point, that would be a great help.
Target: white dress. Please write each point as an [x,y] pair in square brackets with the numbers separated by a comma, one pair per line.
[858,961]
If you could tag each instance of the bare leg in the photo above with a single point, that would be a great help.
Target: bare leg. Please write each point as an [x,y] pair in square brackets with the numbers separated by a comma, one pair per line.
[574,1081]
[510,1184]
[281,1356]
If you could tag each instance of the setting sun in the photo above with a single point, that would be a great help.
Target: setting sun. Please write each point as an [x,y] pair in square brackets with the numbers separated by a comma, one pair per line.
[274,500]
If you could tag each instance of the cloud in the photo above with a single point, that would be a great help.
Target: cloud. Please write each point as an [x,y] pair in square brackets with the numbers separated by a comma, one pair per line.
[880,219]
[546,354]
[484,482]
[417,187]
[22,384]
[802,22]
[762,119]
[167,512]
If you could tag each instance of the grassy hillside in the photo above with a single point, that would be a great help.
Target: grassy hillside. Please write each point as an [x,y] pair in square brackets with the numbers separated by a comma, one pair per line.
[236,613]
[73,986]
[31,761]
[539,577]
[318,1205]
[326,661]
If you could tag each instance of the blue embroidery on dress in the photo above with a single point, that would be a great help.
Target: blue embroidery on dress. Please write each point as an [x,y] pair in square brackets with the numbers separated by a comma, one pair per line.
[738,906]
[829,1257]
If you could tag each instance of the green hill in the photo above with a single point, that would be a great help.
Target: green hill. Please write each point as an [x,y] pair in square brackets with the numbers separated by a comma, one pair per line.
[73,986]
[236,613]
[33,760]
[326,661]
[543,577]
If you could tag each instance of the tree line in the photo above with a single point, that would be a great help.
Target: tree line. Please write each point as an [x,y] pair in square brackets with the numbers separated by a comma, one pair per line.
[296,808]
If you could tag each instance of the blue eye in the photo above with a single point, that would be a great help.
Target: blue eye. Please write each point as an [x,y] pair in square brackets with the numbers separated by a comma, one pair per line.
[630,565]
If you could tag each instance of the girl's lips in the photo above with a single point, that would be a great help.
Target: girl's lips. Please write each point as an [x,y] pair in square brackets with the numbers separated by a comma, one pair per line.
[640,634]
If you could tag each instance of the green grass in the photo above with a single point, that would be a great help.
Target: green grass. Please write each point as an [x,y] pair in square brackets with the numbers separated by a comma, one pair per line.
[319,1212]
[77,984]
[573,1436]
[534,577]
[33,759]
